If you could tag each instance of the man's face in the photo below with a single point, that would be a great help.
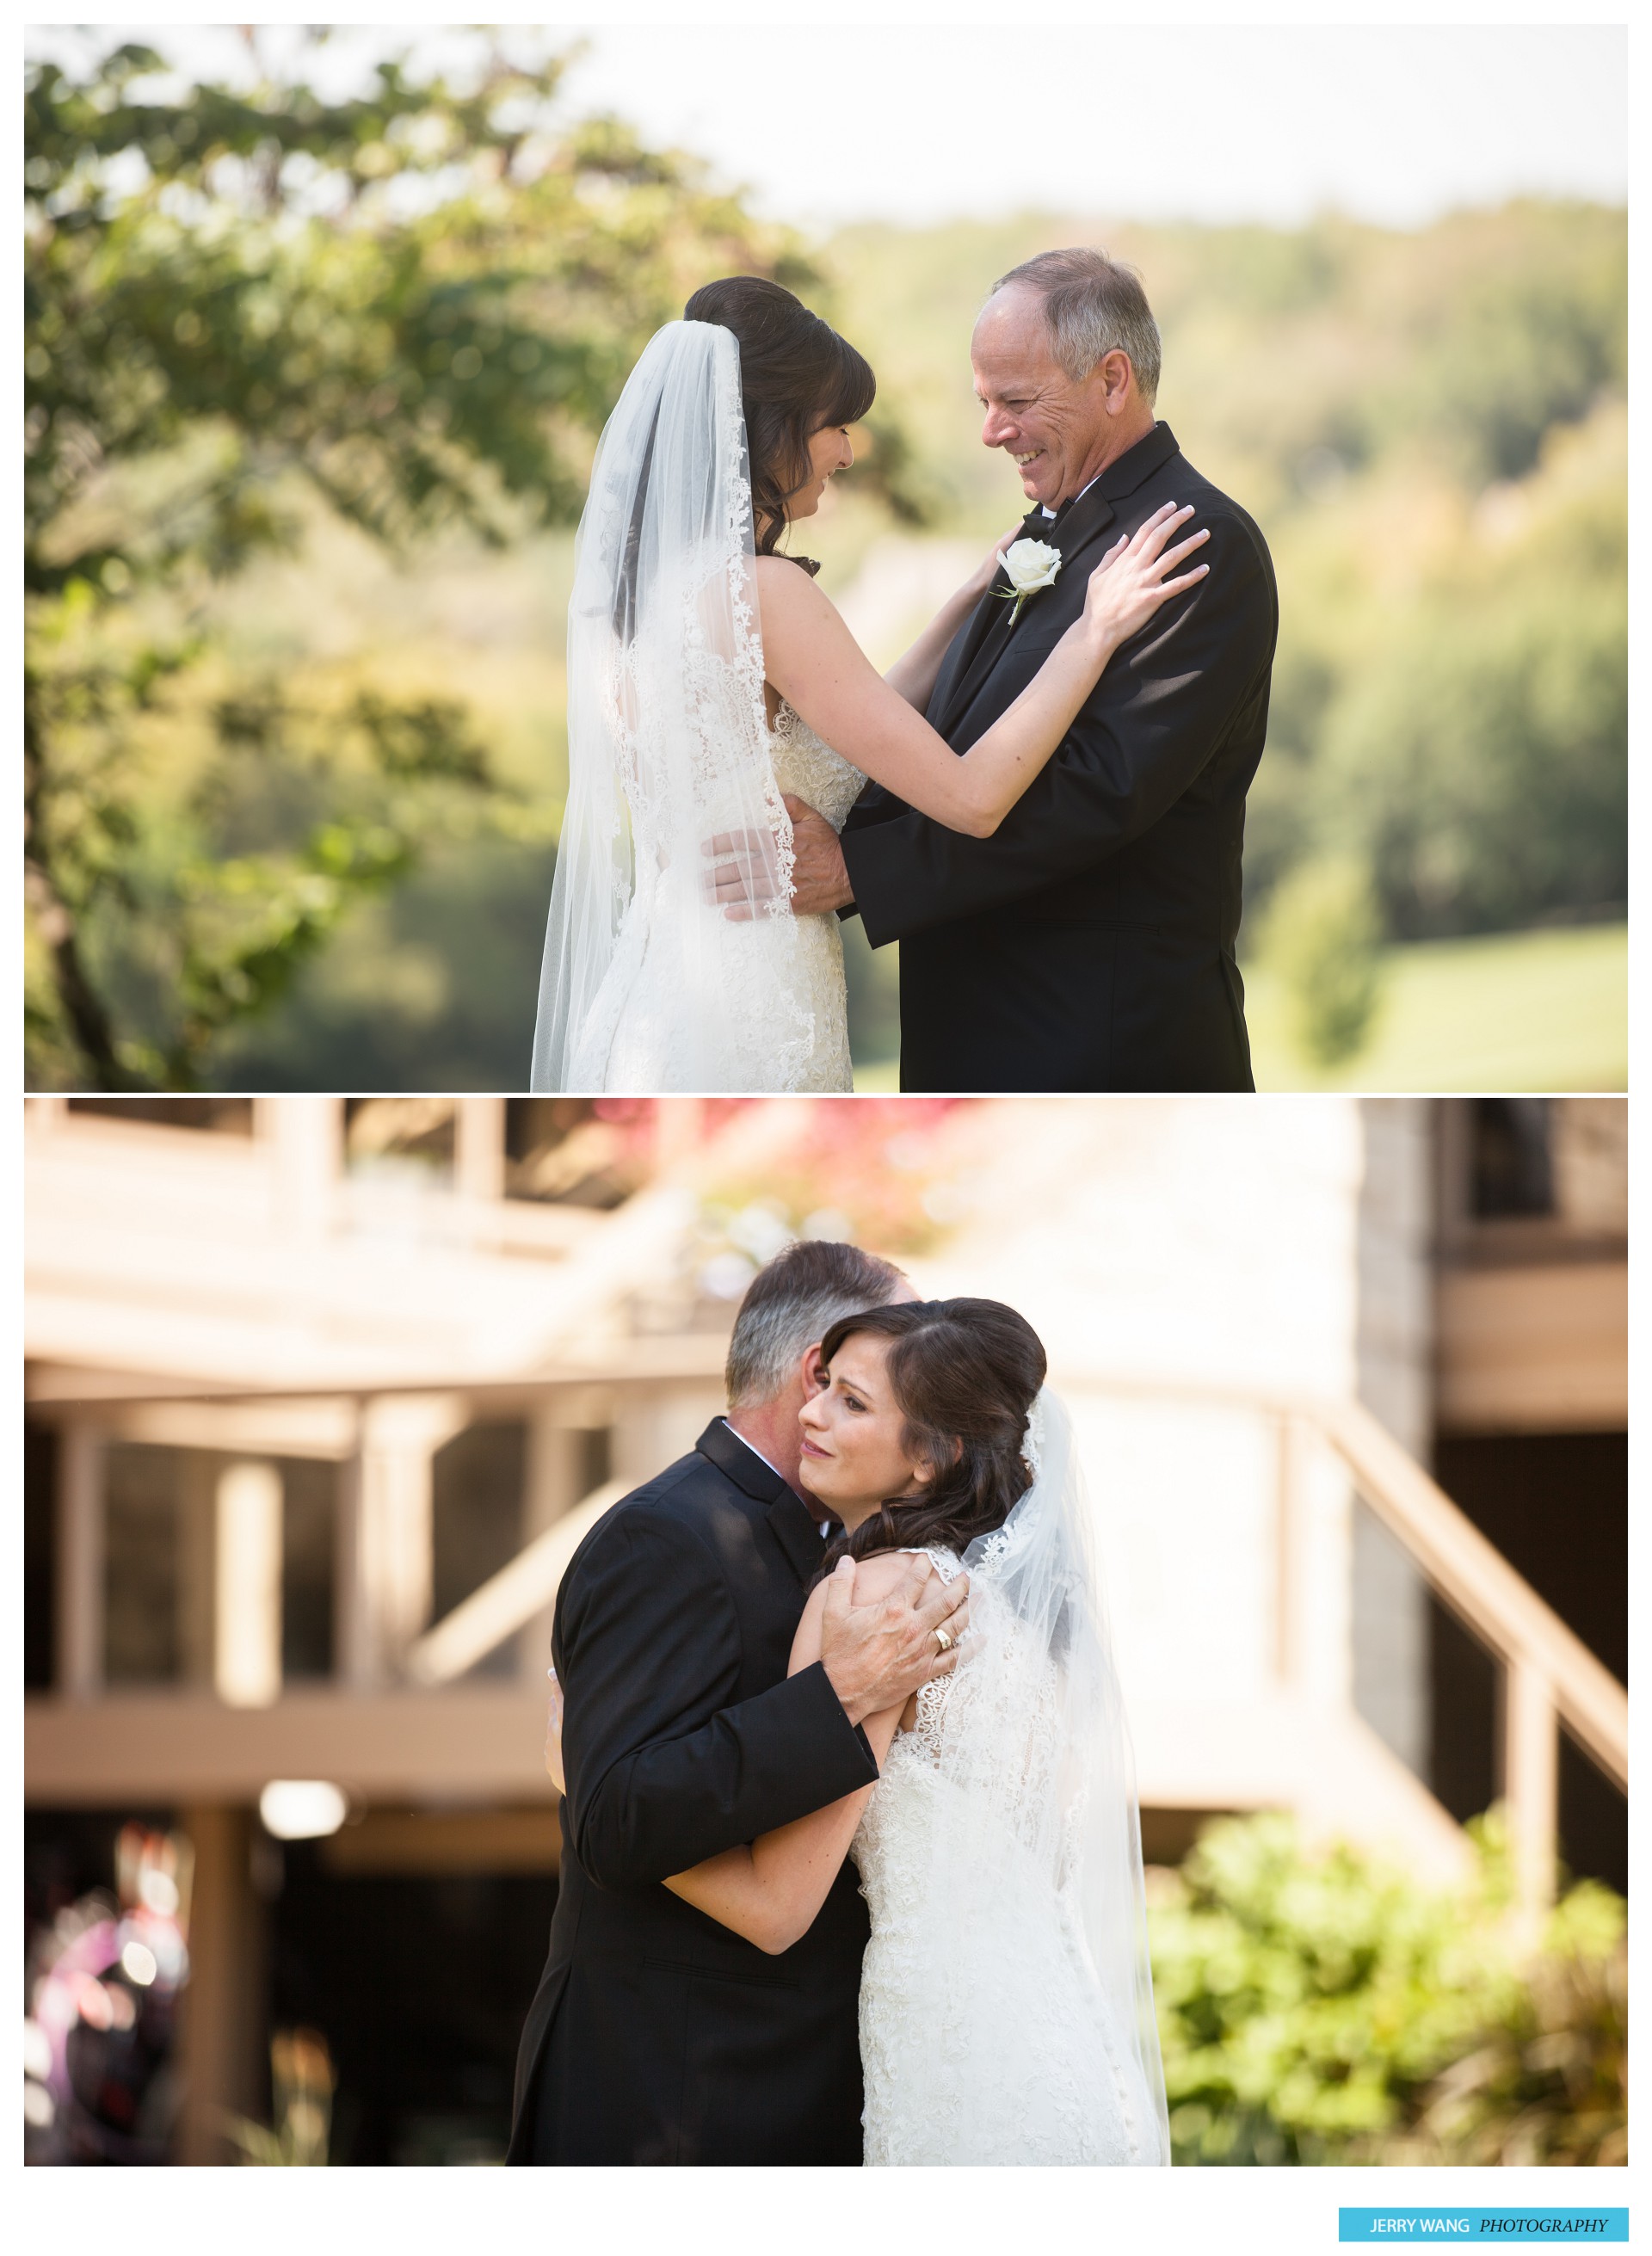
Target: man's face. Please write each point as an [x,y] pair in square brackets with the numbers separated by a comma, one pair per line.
[1049,425]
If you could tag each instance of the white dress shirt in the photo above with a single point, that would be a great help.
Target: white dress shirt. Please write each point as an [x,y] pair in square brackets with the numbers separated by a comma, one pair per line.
[1079,495]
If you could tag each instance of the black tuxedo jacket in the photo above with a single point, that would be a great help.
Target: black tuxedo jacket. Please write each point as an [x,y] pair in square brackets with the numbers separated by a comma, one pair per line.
[1089,943]
[657,2035]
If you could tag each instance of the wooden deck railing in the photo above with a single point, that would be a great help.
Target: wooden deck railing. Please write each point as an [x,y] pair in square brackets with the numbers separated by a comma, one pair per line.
[1551,1680]
[1551,1677]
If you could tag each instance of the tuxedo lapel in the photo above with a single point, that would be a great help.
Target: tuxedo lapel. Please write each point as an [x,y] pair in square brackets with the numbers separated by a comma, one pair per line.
[962,661]
[1087,517]
[987,637]
[797,1535]
[795,1531]
[957,662]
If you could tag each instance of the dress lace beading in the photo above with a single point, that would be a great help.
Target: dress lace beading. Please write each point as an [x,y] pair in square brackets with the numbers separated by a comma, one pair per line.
[980,2050]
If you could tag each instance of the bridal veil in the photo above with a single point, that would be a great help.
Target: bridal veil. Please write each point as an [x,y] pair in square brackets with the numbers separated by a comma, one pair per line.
[646,984]
[1037,1806]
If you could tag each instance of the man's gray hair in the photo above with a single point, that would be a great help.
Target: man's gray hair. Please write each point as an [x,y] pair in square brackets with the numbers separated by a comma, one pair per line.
[1093,305]
[793,1300]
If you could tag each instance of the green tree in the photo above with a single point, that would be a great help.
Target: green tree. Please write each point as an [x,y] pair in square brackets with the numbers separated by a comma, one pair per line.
[411,309]
[1480,776]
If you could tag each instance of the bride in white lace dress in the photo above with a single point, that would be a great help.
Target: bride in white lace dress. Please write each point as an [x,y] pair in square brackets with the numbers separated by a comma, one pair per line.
[711,680]
[1005,2002]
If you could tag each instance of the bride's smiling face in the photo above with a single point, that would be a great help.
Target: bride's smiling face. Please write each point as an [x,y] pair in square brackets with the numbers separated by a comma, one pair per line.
[830,451]
[854,1452]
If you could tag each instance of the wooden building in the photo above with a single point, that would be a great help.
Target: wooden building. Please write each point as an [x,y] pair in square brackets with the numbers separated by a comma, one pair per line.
[323,1392]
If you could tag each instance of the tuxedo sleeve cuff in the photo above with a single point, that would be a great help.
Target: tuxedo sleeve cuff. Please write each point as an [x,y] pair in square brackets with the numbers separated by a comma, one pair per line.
[873,858]
[841,1748]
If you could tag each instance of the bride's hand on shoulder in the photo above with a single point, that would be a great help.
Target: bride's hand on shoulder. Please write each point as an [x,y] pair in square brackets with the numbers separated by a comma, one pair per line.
[1133,578]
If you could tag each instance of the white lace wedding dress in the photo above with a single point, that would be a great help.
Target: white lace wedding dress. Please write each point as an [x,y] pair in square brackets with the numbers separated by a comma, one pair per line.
[809,770]
[987,2039]
[645,1013]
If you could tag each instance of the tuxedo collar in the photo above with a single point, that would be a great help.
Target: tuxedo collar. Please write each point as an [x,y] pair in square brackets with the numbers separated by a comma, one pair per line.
[795,1531]
[1122,476]
[1135,465]
[1092,511]
[749,1472]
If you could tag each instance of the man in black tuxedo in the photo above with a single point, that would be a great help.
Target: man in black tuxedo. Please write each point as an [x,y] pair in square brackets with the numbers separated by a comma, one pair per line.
[657,2035]
[1089,943]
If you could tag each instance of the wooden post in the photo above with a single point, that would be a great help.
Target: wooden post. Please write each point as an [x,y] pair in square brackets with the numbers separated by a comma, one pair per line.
[42,1116]
[400,1435]
[247,1608]
[478,1147]
[355,1660]
[306,1137]
[222,2034]
[82,1456]
[1531,1780]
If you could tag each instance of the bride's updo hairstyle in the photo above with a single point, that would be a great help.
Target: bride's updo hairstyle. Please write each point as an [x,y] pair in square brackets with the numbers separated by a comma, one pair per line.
[964,1373]
[797,377]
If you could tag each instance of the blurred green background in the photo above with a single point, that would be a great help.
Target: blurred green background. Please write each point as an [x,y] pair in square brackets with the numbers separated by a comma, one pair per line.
[312,387]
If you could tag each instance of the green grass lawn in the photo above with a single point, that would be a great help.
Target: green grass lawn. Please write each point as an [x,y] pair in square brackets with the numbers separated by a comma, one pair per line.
[1521,1010]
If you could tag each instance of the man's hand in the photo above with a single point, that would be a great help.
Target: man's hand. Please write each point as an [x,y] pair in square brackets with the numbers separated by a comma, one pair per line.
[876,1656]
[742,877]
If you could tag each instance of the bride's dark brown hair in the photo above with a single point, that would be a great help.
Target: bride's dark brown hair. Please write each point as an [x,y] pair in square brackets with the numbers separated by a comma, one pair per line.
[797,377]
[964,1373]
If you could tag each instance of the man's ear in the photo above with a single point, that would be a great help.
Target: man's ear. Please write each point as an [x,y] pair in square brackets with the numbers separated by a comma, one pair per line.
[813,1371]
[1118,380]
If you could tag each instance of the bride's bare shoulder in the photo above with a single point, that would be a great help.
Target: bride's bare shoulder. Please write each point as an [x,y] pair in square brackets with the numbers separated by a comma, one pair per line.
[883,1572]
[786,577]
[874,1579]
[788,594]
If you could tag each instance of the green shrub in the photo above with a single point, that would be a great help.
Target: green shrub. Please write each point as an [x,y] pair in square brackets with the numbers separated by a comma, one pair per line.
[1321,935]
[1321,2007]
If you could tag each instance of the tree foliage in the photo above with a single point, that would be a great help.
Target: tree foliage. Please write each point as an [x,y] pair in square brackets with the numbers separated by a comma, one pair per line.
[411,310]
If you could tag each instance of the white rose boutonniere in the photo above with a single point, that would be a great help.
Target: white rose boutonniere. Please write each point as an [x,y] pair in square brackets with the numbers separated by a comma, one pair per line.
[1031,564]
